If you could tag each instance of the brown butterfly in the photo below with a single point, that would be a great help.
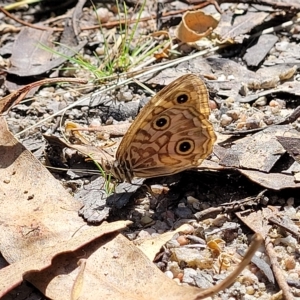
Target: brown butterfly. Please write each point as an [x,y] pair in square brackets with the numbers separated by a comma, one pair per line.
[172,133]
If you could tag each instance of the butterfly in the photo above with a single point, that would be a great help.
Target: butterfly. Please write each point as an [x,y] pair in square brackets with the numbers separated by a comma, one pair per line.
[172,133]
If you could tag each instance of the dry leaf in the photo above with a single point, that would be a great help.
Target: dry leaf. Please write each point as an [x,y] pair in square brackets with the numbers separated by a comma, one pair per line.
[113,268]
[194,26]
[29,58]
[152,246]
[291,145]
[36,213]
[42,257]
[233,25]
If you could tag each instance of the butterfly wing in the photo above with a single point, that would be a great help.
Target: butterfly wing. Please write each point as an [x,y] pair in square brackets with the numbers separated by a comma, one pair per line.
[172,132]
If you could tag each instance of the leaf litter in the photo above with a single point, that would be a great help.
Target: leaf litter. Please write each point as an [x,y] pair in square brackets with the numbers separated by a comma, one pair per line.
[253,106]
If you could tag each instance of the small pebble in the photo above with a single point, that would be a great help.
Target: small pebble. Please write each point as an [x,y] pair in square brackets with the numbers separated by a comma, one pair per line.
[252,123]
[261,286]
[261,101]
[158,189]
[131,236]
[103,14]
[277,103]
[169,274]
[194,202]
[281,103]
[172,244]
[225,120]
[100,51]
[282,46]
[183,212]
[244,90]
[127,96]
[275,110]
[95,123]
[269,120]
[69,72]
[212,104]
[229,102]
[187,229]
[146,220]
[182,240]
[273,103]
[250,290]
[180,276]
[191,257]
[293,276]
[6,180]
[290,263]
[290,201]
[174,268]
[84,108]
[264,201]
[188,276]
[240,125]
[222,77]
[143,234]
[233,114]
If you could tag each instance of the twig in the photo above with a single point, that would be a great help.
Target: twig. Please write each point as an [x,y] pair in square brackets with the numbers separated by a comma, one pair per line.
[284,226]
[27,24]
[281,281]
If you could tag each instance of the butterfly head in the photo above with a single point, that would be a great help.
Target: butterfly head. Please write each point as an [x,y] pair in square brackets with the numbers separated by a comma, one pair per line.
[118,171]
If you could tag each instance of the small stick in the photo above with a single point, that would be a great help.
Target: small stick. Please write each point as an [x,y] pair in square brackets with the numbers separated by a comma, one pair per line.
[281,281]
[4,11]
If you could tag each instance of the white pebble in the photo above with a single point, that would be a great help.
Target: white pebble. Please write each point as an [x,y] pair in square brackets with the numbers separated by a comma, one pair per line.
[95,123]
[261,101]
[103,14]
[169,274]
[225,120]
[282,46]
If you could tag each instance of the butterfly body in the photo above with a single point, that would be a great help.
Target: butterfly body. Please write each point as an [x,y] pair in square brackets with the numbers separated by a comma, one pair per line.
[171,134]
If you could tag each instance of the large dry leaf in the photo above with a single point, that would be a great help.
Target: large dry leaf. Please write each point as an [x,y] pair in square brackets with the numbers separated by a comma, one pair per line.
[115,269]
[38,216]
[35,210]
[232,25]
[41,259]
[255,54]
[29,59]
